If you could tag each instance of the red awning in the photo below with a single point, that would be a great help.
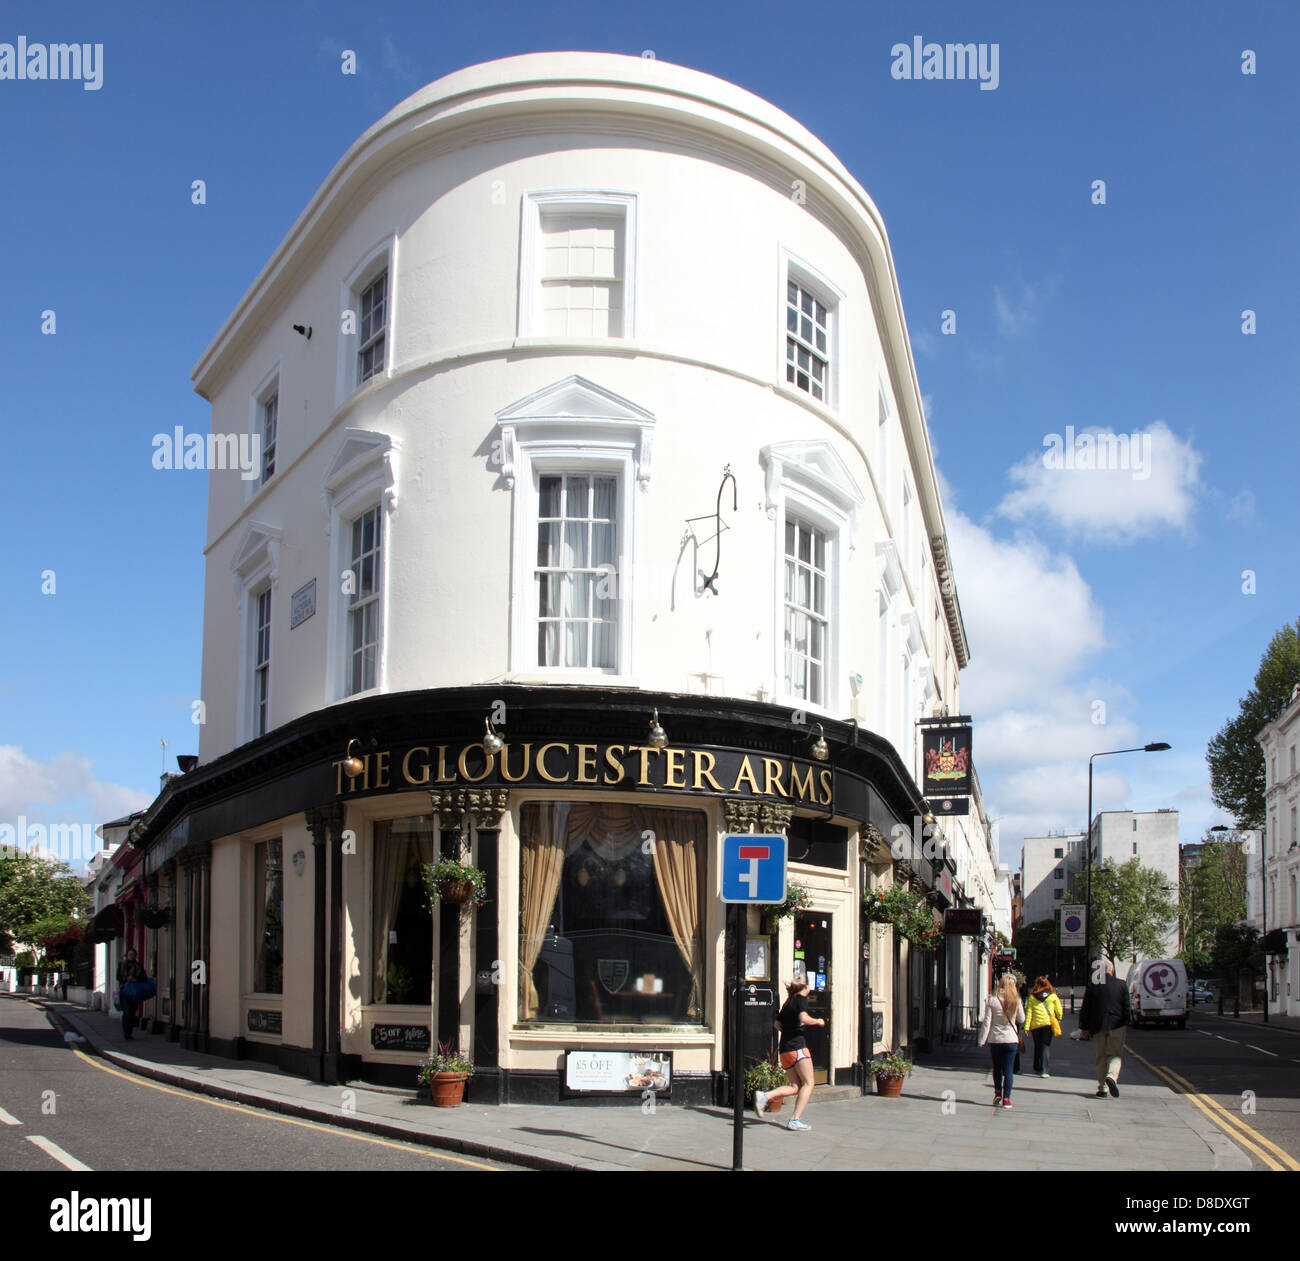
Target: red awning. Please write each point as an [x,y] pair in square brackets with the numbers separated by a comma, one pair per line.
[107,925]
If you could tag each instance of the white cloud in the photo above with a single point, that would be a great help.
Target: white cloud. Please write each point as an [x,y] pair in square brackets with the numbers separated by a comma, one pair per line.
[62,790]
[1019,313]
[1030,616]
[1151,483]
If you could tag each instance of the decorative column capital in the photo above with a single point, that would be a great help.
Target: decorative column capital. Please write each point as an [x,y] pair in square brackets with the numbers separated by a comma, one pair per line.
[486,805]
[871,842]
[449,805]
[324,822]
[774,818]
[739,814]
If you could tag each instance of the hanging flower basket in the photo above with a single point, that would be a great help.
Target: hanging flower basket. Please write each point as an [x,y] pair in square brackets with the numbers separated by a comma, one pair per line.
[456,881]
[153,916]
[797,898]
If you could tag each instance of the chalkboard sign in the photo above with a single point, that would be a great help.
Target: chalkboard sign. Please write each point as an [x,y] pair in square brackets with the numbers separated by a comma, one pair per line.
[264,1022]
[399,1037]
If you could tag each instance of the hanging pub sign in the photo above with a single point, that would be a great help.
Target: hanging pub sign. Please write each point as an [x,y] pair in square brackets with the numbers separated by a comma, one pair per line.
[947,754]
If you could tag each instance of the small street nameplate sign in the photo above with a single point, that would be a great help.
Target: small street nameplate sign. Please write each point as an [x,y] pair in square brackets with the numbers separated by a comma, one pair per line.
[302,604]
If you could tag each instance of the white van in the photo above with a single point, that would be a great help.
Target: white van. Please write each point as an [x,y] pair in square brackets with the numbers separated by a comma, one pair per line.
[1158,993]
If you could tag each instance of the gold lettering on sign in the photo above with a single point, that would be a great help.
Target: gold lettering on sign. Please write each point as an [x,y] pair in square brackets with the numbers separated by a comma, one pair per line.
[381,769]
[645,751]
[676,768]
[704,772]
[827,795]
[424,766]
[489,760]
[541,764]
[586,762]
[523,770]
[772,771]
[443,777]
[612,755]
[801,788]
[746,773]
[338,766]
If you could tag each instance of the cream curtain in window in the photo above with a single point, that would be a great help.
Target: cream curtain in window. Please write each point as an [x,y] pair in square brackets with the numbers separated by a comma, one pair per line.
[541,865]
[399,843]
[678,847]
[612,832]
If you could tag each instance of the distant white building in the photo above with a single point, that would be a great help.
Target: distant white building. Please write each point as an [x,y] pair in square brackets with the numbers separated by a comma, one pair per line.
[1277,868]
[1047,868]
[1151,837]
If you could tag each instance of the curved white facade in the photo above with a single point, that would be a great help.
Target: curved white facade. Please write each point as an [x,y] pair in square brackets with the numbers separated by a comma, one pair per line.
[586,263]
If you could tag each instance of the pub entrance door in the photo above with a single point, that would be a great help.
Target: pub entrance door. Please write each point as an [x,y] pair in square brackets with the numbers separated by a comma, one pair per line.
[812,957]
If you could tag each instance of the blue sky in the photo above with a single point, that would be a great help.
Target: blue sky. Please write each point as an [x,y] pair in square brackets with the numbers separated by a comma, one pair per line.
[1078,587]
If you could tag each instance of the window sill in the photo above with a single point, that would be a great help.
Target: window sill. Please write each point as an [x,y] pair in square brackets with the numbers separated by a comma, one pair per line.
[796,395]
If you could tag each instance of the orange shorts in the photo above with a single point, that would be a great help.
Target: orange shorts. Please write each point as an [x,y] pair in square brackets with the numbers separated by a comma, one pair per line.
[790,1058]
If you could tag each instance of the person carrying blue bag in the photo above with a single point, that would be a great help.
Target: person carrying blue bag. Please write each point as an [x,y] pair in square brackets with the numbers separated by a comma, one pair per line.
[136,987]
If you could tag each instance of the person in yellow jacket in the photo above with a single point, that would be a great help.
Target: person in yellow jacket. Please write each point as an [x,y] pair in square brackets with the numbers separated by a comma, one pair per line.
[1043,1022]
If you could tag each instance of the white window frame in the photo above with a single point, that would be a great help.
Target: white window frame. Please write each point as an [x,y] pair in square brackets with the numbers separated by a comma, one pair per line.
[810,482]
[576,427]
[267,387]
[573,201]
[382,257]
[361,476]
[831,296]
[261,721]
[256,568]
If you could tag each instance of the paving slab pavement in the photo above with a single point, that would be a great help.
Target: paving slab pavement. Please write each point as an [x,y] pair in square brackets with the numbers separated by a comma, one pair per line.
[942,1121]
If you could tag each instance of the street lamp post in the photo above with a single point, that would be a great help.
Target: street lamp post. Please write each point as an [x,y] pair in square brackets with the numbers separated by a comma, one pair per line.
[1158,747]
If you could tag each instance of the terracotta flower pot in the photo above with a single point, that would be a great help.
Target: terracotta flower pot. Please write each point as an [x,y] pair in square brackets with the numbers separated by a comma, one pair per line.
[447,1090]
[890,1087]
[774,1105]
[458,891]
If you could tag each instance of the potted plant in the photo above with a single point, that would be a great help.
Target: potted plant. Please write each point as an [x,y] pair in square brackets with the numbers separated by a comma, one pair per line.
[445,1073]
[889,1070]
[456,880]
[766,1076]
[797,898]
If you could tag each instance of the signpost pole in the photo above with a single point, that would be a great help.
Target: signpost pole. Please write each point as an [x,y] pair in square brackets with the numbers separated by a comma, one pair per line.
[737,1050]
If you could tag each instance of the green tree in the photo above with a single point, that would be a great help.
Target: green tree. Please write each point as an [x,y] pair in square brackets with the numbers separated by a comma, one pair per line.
[1235,759]
[1036,952]
[1132,910]
[1213,896]
[38,898]
[1237,956]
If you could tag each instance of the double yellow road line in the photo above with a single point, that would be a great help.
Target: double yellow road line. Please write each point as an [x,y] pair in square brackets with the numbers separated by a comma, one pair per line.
[1251,1139]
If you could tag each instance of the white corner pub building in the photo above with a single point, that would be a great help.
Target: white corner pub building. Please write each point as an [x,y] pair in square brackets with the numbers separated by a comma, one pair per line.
[607,419]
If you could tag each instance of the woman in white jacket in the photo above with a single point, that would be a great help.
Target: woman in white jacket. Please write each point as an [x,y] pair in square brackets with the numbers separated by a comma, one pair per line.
[1000,1031]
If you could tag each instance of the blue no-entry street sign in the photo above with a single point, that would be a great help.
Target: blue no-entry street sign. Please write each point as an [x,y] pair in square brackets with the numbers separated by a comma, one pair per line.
[753,869]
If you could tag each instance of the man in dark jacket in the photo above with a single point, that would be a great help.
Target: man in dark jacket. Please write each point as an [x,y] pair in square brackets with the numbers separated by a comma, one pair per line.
[1103,1019]
[129,971]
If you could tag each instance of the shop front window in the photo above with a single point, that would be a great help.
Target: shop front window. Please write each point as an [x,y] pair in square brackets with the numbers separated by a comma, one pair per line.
[402,948]
[268,946]
[610,914]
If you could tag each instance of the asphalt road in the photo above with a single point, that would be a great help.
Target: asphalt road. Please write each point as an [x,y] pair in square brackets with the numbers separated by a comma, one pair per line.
[1245,1077]
[62,1108]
